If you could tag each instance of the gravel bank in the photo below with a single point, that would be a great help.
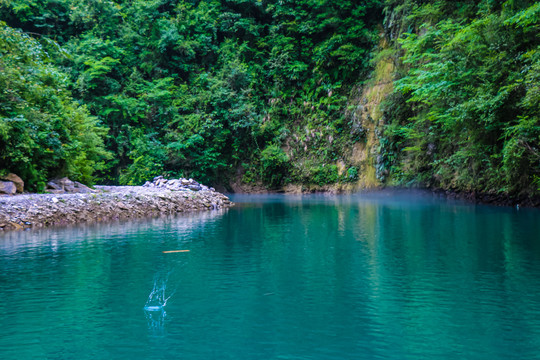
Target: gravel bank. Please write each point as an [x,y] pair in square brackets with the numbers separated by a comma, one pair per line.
[107,203]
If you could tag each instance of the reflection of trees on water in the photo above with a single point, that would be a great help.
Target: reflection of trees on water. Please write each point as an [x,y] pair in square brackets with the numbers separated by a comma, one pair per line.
[438,267]
[105,267]
[403,273]
[407,269]
[183,223]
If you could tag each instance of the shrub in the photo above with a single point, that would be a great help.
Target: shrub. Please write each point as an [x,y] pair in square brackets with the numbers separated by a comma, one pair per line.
[274,165]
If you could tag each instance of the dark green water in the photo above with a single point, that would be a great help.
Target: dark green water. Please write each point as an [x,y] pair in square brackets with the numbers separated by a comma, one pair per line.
[377,276]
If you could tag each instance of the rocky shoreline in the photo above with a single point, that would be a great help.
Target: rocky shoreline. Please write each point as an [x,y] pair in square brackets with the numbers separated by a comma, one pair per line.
[105,204]
[162,197]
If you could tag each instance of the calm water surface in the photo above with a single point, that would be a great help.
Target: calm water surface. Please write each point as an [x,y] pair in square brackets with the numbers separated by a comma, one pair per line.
[380,276]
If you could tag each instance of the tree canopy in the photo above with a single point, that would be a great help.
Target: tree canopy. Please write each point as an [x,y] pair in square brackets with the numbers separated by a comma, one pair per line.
[470,90]
[272,91]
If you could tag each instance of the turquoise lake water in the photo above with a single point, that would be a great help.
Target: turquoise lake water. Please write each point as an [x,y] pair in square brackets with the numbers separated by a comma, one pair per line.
[372,276]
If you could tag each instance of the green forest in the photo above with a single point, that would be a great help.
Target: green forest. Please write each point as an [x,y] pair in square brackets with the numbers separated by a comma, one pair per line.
[244,94]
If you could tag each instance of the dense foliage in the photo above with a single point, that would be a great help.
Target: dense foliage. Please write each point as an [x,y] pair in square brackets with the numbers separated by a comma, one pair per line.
[465,112]
[267,91]
[209,88]
[43,131]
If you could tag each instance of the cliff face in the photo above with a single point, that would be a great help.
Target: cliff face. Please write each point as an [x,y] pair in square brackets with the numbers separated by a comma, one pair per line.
[452,102]
[368,114]
[360,159]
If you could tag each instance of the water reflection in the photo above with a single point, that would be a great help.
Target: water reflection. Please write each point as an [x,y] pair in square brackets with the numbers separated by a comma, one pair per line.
[91,278]
[182,224]
[423,272]
[279,277]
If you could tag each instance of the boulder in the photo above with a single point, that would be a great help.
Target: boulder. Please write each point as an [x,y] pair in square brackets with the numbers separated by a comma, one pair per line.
[19,183]
[66,181]
[7,187]
[65,185]
[180,184]
[59,184]
[81,188]
[53,185]
[52,191]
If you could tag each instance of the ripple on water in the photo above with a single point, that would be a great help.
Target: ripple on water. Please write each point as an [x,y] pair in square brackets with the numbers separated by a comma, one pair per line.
[280,278]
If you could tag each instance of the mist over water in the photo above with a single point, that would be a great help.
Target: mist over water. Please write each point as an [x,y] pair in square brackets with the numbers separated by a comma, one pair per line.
[371,276]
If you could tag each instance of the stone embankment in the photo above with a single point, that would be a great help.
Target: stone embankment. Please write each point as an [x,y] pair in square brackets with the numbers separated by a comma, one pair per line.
[107,203]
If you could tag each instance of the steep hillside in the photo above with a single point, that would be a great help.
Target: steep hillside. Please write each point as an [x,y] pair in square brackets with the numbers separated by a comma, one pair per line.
[212,89]
[44,132]
[299,95]
[464,114]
